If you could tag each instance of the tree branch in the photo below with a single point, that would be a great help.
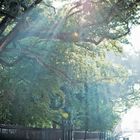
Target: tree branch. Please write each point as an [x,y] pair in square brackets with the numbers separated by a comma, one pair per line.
[5,13]
[30,54]
[94,41]
[7,39]
[50,7]
[11,64]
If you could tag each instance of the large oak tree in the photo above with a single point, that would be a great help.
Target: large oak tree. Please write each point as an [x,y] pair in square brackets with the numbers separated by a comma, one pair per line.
[45,49]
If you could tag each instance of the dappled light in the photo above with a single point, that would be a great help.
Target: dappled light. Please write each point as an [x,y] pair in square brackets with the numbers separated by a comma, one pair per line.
[69,69]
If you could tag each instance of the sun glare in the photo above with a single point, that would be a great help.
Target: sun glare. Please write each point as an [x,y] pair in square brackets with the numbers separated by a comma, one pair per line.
[131,124]
[134,40]
[131,120]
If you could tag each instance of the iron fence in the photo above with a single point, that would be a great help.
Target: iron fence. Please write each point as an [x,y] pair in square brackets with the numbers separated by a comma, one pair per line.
[22,133]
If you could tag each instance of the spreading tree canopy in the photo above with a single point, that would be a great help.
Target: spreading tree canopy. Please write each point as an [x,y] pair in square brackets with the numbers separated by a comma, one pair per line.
[53,62]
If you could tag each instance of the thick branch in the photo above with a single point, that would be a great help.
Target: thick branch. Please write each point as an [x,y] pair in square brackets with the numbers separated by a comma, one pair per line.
[3,24]
[94,41]
[5,13]
[50,7]
[7,39]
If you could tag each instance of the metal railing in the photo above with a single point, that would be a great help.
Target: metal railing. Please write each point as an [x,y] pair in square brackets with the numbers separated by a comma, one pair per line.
[18,133]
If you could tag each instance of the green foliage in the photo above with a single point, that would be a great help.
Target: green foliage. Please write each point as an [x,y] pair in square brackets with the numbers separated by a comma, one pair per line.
[58,54]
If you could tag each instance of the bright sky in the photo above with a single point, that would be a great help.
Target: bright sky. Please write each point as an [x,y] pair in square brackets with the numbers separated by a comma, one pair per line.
[134,39]
[131,120]
[59,4]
